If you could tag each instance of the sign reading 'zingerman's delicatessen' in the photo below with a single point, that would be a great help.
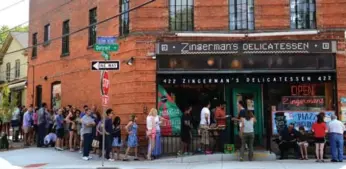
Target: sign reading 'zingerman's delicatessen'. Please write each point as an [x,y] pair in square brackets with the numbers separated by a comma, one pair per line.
[246,47]
[245,78]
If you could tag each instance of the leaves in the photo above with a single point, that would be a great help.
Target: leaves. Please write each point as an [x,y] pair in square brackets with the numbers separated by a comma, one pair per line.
[7,107]
[4,30]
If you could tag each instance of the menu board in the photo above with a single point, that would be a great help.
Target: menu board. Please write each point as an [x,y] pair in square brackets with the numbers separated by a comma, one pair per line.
[280,119]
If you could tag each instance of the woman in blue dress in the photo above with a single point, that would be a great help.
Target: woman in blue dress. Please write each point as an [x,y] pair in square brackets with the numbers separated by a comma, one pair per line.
[132,140]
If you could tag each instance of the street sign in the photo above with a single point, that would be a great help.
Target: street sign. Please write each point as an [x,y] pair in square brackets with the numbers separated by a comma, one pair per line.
[105,55]
[106,40]
[105,65]
[106,47]
[105,100]
[105,84]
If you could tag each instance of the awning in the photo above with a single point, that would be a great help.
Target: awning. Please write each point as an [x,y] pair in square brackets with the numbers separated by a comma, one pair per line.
[17,85]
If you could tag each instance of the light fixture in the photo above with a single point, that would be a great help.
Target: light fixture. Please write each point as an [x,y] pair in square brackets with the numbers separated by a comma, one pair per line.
[288,33]
[241,35]
[211,61]
[130,61]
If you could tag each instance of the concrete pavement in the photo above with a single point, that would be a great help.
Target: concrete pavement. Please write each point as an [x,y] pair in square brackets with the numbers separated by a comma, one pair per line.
[49,159]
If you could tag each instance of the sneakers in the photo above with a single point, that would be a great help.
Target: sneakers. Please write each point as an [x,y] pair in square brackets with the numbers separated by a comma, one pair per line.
[111,160]
[90,157]
[85,158]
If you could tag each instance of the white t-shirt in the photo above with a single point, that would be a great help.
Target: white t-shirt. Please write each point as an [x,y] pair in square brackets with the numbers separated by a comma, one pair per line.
[157,123]
[205,111]
[336,126]
[149,123]
[16,114]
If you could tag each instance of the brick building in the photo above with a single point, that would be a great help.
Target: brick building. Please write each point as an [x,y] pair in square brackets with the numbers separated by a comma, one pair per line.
[193,41]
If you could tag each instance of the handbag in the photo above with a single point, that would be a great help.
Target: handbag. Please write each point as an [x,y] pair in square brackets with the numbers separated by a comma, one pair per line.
[95,143]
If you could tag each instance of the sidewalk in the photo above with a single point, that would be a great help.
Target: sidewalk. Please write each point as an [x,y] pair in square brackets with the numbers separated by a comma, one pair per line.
[40,158]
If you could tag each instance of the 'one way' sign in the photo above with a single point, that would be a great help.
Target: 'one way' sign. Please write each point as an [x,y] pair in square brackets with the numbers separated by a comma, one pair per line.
[105,65]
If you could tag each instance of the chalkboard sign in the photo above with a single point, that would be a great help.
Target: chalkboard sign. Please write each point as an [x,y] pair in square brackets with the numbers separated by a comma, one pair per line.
[281,119]
[302,102]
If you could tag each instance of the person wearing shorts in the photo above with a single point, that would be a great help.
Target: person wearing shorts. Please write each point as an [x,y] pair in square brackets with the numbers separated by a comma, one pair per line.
[27,126]
[303,143]
[320,129]
[60,130]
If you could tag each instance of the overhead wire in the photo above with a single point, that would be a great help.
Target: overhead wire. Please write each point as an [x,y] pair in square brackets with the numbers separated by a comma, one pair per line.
[86,27]
[12,5]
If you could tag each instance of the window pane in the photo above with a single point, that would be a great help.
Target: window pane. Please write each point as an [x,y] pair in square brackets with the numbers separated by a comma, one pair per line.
[181,15]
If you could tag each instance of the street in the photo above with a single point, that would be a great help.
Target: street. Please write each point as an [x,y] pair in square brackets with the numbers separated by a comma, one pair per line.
[49,159]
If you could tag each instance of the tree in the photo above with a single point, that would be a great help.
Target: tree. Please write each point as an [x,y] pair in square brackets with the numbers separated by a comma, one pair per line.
[4,30]
[7,107]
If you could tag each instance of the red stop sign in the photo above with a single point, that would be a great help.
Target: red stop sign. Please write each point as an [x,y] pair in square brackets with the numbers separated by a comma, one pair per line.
[105,83]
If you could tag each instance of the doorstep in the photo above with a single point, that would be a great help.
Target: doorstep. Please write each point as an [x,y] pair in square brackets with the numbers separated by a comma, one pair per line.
[258,156]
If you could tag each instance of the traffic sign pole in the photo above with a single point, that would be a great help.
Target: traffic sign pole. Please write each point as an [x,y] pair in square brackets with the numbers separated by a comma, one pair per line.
[105,45]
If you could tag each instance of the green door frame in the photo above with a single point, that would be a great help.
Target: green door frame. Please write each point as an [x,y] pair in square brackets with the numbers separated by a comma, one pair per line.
[256,90]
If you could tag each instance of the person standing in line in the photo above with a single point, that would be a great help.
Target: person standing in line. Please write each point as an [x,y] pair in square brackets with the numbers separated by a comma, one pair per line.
[59,121]
[15,123]
[42,122]
[87,126]
[247,134]
[204,127]
[157,121]
[132,140]
[319,129]
[117,142]
[80,123]
[151,132]
[186,127]
[72,127]
[336,130]
[27,126]
[108,136]
[35,119]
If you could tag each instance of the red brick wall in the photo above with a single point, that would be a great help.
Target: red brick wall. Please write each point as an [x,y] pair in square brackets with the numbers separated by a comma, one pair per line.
[134,86]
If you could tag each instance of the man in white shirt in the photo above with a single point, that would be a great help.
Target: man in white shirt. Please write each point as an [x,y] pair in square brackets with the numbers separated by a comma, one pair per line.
[204,125]
[336,138]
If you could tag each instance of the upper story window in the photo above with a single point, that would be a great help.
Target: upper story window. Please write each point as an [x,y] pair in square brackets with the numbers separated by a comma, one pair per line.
[124,19]
[303,14]
[181,15]
[241,14]
[34,43]
[92,29]
[17,69]
[65,46]
[8,71]
[47,33]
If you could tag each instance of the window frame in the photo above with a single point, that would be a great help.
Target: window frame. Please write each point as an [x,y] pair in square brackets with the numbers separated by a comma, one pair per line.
[34,44]
[65,41]
[124,19]
[247,13]
[310,19]
[8,71]
[189,21]
[17,69]
[47,32]
[92,29]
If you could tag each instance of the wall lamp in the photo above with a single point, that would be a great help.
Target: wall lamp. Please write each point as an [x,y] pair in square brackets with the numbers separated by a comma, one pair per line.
[130,61]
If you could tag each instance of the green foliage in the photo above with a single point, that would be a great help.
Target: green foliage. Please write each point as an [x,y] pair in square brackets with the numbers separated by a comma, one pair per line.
[7,107]
[6,29]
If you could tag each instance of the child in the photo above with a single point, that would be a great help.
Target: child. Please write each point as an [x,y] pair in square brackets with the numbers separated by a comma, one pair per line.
[50,139]
[117,143]
[303,143]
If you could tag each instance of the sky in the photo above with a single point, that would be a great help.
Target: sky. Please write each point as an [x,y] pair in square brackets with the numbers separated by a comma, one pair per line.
[14,15]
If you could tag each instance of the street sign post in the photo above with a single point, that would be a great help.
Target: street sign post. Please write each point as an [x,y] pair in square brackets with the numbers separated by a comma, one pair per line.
[105,44]
[105,65]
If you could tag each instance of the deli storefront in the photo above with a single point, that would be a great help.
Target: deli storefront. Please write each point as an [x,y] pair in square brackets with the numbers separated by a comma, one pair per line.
[280,81]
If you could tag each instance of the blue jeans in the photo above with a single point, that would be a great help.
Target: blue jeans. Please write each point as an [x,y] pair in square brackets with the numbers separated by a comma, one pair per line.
[41,134]
[337,146]
[87,141]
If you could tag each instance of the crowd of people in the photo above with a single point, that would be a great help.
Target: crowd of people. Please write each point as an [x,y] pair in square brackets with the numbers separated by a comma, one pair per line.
[73,129]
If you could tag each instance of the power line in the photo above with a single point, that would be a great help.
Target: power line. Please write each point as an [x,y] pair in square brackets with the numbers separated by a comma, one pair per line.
[22,24]
[84,28]
[12,5]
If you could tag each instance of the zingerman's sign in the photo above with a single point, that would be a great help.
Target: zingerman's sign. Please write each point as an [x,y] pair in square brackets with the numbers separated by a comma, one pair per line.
[246,47]
[245,78]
